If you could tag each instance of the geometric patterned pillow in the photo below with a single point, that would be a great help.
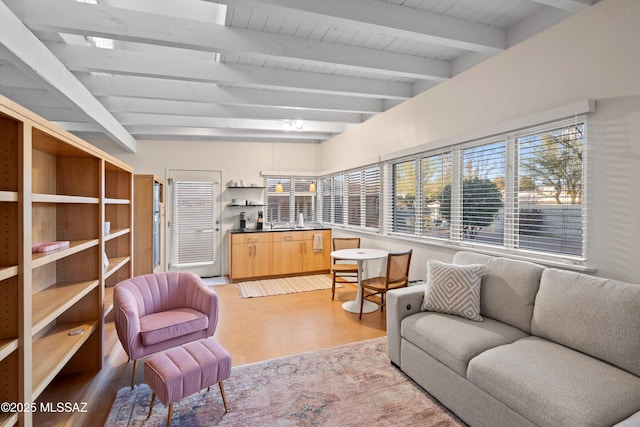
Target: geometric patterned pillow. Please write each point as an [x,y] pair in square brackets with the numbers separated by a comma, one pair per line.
[453,289]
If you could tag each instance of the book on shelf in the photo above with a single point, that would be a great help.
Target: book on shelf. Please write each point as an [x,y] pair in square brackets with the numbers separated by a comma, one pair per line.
[49,246]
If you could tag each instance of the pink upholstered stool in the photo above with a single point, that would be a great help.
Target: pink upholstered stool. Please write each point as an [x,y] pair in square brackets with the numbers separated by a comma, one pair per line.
[181,371]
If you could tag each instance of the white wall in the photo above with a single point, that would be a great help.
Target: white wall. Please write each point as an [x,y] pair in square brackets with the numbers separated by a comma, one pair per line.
[235,160]
[593,54]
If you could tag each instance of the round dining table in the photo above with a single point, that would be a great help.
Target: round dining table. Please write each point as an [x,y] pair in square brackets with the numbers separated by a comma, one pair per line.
[360,255]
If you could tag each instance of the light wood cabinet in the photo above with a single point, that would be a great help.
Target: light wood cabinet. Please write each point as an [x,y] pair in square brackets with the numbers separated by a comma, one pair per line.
[251,255]
[55,187]
[316,260]
[148,214]
[286,253]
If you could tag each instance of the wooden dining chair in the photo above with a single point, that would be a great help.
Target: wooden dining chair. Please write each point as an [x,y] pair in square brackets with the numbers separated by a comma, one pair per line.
[397,277]
[342,270]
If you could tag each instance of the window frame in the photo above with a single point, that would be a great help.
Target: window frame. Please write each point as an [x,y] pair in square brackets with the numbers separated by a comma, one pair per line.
[292,194]
[511,216]
[354,186]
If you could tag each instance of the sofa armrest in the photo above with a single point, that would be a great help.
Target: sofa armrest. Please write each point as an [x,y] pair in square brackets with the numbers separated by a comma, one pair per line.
[401,303]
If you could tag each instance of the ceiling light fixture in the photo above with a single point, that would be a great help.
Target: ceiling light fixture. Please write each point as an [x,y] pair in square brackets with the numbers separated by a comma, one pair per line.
[279,188]
[293,125]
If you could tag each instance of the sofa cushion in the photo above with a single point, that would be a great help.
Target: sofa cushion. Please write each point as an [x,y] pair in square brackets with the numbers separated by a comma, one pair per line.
[553,385]
[508,288]
[165,325]
[454,340]
[453,289]
[597,316]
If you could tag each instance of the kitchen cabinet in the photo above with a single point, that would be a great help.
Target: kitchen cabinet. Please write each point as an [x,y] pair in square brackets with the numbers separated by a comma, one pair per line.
[148,212]
[55,187]
[289,252]
[293,252]
[251,255]
[316,260]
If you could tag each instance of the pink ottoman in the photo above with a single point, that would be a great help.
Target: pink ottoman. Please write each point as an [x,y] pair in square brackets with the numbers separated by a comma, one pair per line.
[181,371]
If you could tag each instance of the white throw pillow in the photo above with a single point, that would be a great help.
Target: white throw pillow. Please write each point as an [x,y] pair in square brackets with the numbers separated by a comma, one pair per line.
[453,289]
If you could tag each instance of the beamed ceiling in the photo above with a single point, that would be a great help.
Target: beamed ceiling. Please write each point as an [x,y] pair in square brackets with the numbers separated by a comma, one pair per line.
[119,71]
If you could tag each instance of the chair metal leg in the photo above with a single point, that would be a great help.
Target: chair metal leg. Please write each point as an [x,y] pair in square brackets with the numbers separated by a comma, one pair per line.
[153,400]
[333,286]
[133,375]
[170,415]
[224,398]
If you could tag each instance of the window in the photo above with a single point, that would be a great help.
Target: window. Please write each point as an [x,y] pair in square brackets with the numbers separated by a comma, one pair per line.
[482,192]
[551,190]
[435,176]
[278,200]
[372,197]
[287,197]
[404,196]
[194,210]
[338,204]
[519,191]
[421,187]
[352,198]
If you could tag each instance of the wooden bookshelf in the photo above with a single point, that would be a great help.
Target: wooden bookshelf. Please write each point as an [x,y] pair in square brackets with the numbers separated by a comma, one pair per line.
[55,187]
[149,219]
[11,286]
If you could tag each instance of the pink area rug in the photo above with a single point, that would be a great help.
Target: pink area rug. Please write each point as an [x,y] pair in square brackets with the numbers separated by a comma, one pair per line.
[348,385]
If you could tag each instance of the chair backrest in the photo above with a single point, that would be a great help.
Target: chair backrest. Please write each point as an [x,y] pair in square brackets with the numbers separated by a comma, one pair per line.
[345,243]
[157,292]
[398,267]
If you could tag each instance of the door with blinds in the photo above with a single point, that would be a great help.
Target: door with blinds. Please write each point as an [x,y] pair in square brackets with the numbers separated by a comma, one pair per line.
[194,222]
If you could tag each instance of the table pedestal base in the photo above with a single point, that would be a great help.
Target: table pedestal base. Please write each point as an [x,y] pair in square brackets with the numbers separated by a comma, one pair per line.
[354,307]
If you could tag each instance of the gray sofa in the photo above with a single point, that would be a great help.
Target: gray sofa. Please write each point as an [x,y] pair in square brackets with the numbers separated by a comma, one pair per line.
[555,348]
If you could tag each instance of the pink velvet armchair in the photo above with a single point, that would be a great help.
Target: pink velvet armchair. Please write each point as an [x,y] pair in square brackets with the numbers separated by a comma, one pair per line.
[155,312]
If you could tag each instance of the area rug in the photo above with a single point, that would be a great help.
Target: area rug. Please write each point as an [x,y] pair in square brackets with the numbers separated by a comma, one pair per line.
[284,285]
[348,385]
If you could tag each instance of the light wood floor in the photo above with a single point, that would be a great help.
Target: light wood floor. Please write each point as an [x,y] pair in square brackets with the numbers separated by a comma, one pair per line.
[251,330]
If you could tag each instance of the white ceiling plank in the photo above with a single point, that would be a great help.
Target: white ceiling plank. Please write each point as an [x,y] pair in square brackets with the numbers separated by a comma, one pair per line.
[203,109]
[174,132]
[239,70]
[155,88]
[141,119]
[390,19]
[33,58]
[128,25]
[91,59]
[150,131]
[573,6]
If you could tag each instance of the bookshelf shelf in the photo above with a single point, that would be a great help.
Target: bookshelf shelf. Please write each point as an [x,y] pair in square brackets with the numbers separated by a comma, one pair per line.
[55,187]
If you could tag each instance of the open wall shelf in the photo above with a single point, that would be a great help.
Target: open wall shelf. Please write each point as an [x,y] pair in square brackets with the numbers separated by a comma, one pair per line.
[55,187]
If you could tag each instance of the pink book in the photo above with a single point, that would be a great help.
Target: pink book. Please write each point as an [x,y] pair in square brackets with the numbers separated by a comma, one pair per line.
[49,246]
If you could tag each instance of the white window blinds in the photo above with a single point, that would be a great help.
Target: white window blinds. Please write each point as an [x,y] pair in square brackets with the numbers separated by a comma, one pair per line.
[521,191]
[287,197]
[352,198]
[193,224]
[404,197]
[551,188]
[435,178]
[483,178]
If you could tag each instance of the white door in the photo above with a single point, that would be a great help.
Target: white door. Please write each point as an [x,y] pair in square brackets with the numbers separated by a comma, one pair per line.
[193,226]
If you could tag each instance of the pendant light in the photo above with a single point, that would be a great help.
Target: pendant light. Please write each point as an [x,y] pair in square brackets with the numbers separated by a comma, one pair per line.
[279,187]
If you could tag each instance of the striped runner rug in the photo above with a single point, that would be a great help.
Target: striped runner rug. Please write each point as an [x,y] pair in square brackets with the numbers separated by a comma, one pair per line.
[284,285]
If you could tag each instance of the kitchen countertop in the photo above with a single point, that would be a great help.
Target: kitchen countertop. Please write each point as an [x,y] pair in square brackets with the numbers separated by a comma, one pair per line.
[276,230]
